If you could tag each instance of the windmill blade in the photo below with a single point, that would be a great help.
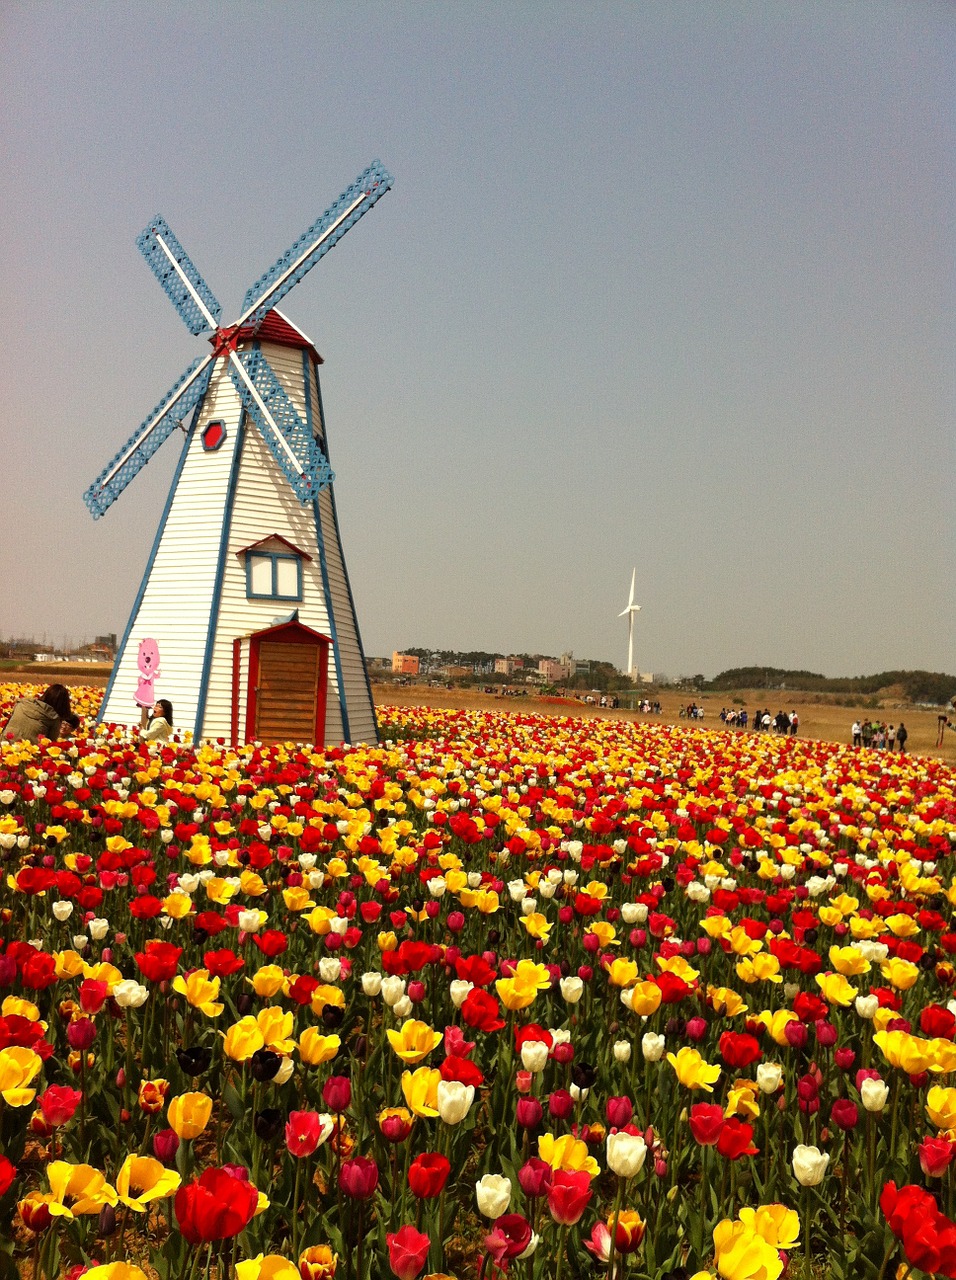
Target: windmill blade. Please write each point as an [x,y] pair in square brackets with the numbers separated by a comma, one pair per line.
[301,257]
[143,443]
[290,439]
[174,269]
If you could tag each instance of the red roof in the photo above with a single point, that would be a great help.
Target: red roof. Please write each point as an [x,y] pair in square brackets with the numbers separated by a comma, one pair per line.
[275,327]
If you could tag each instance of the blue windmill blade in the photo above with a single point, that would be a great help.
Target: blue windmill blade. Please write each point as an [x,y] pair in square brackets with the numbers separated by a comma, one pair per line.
[180,400]
[289,437]
[301,257]
[174,269]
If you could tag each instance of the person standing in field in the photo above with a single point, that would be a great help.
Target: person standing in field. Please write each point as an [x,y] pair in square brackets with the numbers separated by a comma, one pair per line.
[891,737]
[794,723]
[942,720]
[901,736]
[857,732]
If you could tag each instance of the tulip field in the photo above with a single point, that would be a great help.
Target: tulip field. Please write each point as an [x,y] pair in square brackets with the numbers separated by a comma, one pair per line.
[506,995]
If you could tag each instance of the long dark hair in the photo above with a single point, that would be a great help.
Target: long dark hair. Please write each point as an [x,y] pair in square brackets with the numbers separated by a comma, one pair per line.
[57,696]
[167,707]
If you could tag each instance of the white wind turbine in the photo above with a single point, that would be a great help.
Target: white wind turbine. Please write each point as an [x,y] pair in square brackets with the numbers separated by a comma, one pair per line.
[629,612]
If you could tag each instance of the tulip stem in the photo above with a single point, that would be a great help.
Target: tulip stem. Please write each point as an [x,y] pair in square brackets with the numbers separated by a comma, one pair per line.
[807,1265]
[562,1242]
[619,1200]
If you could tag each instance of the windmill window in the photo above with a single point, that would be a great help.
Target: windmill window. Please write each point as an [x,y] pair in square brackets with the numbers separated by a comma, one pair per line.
[271,575]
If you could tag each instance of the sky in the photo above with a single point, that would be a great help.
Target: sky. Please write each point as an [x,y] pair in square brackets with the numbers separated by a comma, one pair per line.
[658,286]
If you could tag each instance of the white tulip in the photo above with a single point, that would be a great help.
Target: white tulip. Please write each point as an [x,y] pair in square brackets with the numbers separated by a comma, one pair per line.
[403,1007]
[625,1154]
[534,1055]
[769,1075]
[873,1094]
[866,1006]
[572,989]
[330,969]
[249,921]
[458,990]
[493,1193]
[393,988]
[98,929]
[63,909]
[652,1046]
[454,1100]
[372,983]
[129,994]
[80,941]
[809,1165]
[284,1074]
[622,1050]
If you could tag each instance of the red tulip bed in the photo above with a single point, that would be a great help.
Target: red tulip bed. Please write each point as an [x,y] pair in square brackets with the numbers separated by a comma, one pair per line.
[505,995]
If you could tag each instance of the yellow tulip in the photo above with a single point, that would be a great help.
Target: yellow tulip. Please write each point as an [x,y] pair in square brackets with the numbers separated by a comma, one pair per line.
[622,972]
[836,989]
[646,998]
[77,1189]
[415,1041]
[267,981]
[142,1179]
[567,1152]
[775,1223]
[420,1089]
[941,1107]
[243,1039]
[275,1024]
[741,1254]
[271,1266]
[201,991]
[188,1114]
[692,1071]
[900,974]
[316,1048]
[18,1067]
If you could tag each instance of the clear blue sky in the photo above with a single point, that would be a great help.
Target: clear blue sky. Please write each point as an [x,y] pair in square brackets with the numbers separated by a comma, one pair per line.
[659,284]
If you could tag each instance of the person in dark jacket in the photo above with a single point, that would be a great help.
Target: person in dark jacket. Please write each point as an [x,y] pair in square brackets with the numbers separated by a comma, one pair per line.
[43,717]
[901,736]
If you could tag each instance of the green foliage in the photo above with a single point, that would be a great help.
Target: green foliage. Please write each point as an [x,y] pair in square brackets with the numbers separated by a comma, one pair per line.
[934,687]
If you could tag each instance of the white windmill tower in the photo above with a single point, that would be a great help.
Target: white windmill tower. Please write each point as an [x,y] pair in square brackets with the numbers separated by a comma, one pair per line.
[244,619]
[629,613]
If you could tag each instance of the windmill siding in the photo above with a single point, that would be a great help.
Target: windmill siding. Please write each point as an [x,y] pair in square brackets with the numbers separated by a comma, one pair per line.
[187,570]
[176,602]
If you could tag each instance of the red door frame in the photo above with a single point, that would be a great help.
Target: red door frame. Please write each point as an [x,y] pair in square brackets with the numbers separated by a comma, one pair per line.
[285,633]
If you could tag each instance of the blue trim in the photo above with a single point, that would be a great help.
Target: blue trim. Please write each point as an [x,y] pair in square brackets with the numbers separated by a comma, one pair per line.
[134,612]
[348,585]
[217,585]
[274,557]
[320,540]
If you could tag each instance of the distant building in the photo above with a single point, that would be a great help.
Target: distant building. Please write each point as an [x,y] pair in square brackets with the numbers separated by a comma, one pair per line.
[508,666]
[405,664]
[552,671]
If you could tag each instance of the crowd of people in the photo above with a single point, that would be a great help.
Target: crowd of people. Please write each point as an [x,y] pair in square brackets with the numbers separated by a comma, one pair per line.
[879,734]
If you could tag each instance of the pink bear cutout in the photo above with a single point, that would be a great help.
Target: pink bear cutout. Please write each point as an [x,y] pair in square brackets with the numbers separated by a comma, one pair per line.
[148,662]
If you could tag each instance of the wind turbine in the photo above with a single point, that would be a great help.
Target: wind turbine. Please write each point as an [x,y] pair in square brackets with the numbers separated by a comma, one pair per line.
[629,613]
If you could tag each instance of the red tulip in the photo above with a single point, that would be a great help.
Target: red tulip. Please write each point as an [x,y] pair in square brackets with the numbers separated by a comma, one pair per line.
[736,1139]
[303,1132]
[510,1235]
[407,1252]
[217,1206]
[58,1103]
[358,1177]
[427,1175]
[337,1093]
[8,1172]
[706,1121]
[935,1156]
[568,1196]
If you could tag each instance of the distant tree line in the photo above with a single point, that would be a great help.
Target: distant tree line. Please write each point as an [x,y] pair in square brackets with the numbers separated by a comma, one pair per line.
[916,686]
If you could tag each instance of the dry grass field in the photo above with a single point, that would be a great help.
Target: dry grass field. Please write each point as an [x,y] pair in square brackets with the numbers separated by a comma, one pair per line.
[819,719]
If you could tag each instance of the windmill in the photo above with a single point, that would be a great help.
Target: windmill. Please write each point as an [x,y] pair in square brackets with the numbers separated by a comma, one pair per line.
[245,599]
[629,613]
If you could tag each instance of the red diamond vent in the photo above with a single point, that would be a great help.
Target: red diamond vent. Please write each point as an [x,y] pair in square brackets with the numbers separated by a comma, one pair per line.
[213,436]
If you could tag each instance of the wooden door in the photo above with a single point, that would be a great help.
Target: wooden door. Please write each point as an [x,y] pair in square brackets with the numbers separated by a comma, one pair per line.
[288,692]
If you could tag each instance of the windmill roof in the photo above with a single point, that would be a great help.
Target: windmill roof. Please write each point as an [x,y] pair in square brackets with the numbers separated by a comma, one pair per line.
[275,327]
